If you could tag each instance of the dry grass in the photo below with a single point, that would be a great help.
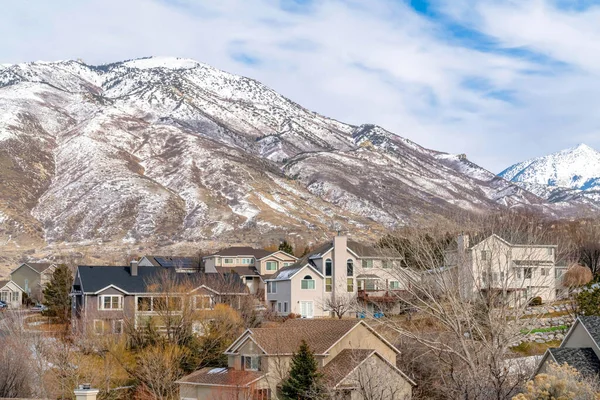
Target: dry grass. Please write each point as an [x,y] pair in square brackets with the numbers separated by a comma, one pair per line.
[534,348]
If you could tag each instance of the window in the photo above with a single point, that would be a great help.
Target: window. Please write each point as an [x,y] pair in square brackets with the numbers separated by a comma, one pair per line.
[307,283]
[484,278]
[27,285]
[485,255]
[350,285]
[543,271]
[228,260]
[528,273]
[394,285]
[328,284]
[251,363]
[175,303]
[278,306]
[117,328]
[350,267]
[558,272]
[4,296]
[518,271]
[501,276]
[306,309]
[271,265]
[271,287]
[550,251]
[386,264]
[204,302]
[367,263]
[287,263]
[111,302]
[328,267]
[98,326]
[144,304]
[285,307]
[261,394]
[247,261]
[15,296]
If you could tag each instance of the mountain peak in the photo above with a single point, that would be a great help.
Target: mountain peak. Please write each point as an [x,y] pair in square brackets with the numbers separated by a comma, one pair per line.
[161,62]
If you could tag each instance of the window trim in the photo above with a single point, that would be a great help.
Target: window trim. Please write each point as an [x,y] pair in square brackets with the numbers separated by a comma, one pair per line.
[328,286]
[101,305]
[96,331]
[310,279]
[116,322]
[394,285]
[328,264]
[270,286]
[350,285]
[251,358]
[349,267]
[271,262]
[367,264]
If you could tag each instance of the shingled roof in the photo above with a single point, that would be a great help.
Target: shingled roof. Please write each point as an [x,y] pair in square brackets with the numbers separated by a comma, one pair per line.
[583,359]
[592,325]
[242,251]
[221,377]
[343,364]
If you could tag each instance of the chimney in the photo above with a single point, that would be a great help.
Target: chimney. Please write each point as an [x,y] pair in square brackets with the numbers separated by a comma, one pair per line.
[85,392]
[463,242]
[134,268]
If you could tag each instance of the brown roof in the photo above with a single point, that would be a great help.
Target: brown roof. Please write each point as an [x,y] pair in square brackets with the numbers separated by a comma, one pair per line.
[221,377]
[319,334]
[3,283]
[40,267]
[243,251]
[343,364]
[241,271]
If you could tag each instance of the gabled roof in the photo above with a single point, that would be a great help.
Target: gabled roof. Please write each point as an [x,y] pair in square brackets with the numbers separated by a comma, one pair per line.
[287,273]
[8,282]
[221,377]
[241,271]
[241,251]
[583,359]
[96,278]
[37,267]
[592,325]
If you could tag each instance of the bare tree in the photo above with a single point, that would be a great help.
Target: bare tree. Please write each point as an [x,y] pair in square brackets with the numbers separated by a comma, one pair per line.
[340,304]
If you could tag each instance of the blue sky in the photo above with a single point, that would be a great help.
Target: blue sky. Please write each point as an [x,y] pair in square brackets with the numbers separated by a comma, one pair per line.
[501,81]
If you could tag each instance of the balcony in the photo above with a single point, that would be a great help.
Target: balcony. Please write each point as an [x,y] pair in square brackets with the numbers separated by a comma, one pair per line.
[381,296]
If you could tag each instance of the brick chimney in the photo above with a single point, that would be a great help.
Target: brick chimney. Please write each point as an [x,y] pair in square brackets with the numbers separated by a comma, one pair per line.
[134,267]
[85,392]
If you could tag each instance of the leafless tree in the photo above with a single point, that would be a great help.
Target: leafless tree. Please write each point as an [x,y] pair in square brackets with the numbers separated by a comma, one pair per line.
[340,304]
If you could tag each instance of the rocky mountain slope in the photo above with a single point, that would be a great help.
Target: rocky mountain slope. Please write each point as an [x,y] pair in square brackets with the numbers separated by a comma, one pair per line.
[569,175]
[166,150]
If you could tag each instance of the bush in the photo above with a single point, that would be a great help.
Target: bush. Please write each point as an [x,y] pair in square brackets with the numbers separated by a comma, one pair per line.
[536,301]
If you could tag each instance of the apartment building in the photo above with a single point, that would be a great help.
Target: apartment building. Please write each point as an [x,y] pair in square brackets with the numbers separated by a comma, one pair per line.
[340,269]
[493,265]
[355,360]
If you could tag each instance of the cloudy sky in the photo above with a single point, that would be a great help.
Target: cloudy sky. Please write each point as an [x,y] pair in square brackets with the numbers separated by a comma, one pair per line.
[499,80]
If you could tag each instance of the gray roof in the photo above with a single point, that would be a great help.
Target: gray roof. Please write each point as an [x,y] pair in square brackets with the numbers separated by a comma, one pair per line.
[242,251]
[40,267]
[241,271]
[592,324]
[176,262]
[95,278]
[3,283]
[583,359]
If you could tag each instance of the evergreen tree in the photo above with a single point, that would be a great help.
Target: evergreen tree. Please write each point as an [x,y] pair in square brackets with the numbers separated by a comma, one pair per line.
[285,246]
[304,381]
[56,294]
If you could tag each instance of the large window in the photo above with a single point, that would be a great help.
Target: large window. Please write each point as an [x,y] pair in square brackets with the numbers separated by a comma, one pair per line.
[387,264]
[159,303]
[204,302]
[328,284]
[4,296]
[350,285]
[328,267]
[228,261]
[308,283]
[527,273]
[247,261]
[251,363]
[394,285]
[271,265]
[111,302]
[350,267]
[271,287]
[367,263]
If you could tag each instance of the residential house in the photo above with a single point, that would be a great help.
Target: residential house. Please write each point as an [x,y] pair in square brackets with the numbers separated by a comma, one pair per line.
[11,294]
[33,277]
[580,349]
[352,356]
[104,297]
[180,264]
[519,271]
[252,265]
[339,270]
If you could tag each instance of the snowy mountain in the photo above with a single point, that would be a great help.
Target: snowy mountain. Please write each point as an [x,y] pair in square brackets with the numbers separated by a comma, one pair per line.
[167,149]
[568,175]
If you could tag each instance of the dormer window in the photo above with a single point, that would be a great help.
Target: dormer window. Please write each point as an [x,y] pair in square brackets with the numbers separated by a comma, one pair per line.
[271,265]
[251,363]
[308,283]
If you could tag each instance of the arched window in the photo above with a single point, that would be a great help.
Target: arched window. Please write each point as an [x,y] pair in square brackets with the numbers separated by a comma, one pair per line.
[328,267]
[350,267]
[308,283]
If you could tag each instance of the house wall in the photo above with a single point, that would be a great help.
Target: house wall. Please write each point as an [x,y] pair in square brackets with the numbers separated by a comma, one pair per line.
[144,262]
[91,311]
[28,279]
[377,379]
[361,338]
[284,293]
[279,257]
[12,295]
[298,294]
[579,337]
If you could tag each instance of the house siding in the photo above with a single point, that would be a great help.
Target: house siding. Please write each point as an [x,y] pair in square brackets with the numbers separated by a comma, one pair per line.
[29,280]
[361,338]
[377,379]
[579,337]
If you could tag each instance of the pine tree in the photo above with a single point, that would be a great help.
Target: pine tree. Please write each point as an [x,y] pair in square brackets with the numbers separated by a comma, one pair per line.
[304,381]
[56,294]
[285,246]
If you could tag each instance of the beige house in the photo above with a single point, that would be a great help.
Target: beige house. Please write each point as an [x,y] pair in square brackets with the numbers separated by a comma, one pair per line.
[33,277]
[339,270]
[355,360]
[252,265]
[580,349]
[11,294]
[518,271]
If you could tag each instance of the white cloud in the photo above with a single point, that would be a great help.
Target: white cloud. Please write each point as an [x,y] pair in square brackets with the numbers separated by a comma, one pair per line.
[382,63]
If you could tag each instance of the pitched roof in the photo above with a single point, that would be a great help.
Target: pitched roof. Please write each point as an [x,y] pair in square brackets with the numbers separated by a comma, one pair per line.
[241,271]
[221,377]
[242,251]
[176,261]
[343,364]
[583,359]
[288,272]
[3,283]
[95,278]
[592,325]
[319,334]
[40,267]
